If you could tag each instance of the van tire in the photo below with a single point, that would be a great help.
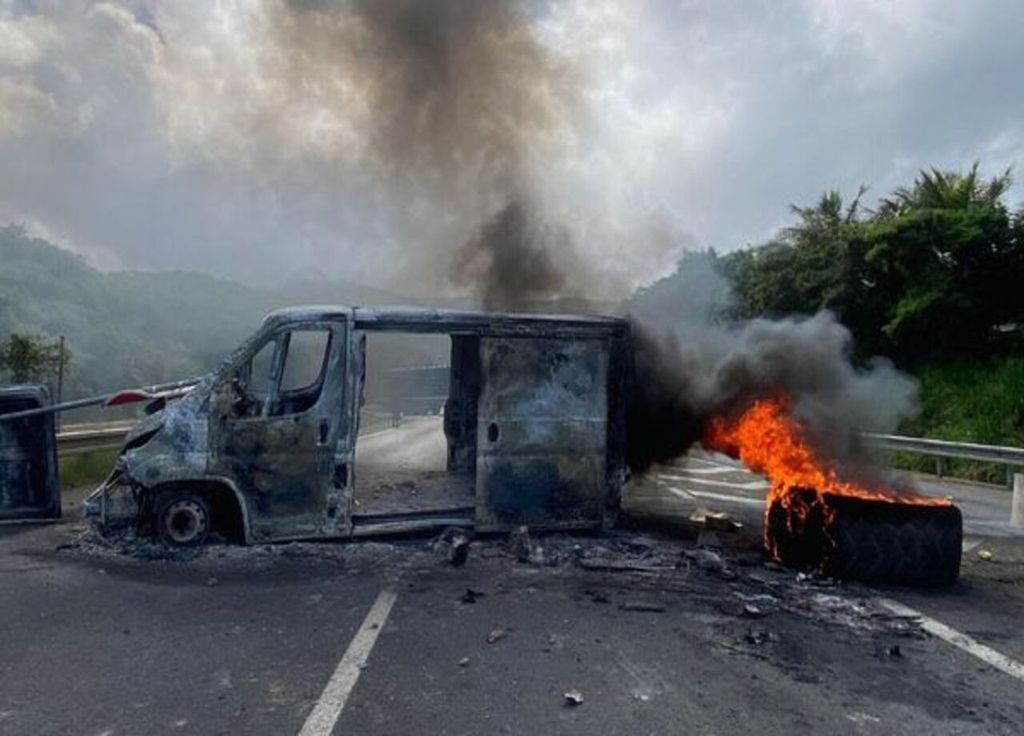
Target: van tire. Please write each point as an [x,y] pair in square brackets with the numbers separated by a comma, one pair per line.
[183,519]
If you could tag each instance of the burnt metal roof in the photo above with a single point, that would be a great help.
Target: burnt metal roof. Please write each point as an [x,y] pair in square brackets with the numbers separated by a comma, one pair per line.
[427,319]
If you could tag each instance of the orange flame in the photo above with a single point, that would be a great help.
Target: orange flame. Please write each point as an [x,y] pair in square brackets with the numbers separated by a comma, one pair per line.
[769,439]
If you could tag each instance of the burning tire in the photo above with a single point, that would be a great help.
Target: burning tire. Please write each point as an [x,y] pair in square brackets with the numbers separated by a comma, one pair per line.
[866,539]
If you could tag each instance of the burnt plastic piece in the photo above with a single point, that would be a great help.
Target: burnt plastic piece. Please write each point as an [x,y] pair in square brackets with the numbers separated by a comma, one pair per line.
[865,539]
[28,457]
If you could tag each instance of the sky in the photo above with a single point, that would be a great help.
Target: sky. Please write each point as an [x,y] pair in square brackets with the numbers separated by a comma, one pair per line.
[265,140]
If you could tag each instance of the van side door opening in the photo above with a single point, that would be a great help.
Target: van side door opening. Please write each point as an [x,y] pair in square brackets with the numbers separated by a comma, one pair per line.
[405,463]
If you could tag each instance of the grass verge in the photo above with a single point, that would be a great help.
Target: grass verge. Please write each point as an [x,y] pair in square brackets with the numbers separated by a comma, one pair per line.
[968,401]
[87,469]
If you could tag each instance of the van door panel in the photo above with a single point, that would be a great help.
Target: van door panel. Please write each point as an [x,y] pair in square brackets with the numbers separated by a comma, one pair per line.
[542,432]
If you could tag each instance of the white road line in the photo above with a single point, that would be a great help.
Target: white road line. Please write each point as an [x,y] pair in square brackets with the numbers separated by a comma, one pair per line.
[716,470]
[697,495]
[754,485]
[681,493]
[714,463]
[332,700]
[936,628]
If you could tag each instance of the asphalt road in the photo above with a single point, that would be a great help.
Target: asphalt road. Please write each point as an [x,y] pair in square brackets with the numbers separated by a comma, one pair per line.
[379,638]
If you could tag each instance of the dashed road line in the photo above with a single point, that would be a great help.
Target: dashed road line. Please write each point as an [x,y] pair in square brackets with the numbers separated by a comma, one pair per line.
[753,485]
[707,461]
[715,470]
[697,495]
[332,700]
[962,641]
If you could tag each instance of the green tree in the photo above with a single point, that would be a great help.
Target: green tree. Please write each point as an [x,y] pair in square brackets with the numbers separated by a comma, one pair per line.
[947,190]
[934,271]
[31,358]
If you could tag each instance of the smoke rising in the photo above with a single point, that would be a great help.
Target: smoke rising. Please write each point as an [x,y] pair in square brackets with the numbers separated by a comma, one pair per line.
[459,102]
[489,148]
[510,262]
[681,383]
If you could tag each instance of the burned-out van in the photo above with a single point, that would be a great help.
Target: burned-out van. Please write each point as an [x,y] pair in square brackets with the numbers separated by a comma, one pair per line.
[530,432]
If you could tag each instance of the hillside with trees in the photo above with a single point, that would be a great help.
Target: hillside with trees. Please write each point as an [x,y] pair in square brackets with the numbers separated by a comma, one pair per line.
[931,276]
[129,328]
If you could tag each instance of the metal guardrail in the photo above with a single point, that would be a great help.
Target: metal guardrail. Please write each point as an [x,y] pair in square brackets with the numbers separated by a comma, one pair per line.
[78,439]
[942,449]
[82,438]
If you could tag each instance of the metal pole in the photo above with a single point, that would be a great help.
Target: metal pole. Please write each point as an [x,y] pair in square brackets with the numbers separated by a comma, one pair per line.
[1017,503]
[60,379]
[95,400]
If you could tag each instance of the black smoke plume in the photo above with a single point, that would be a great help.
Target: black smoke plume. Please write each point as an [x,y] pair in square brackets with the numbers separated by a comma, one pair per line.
[463,102]
[682,382]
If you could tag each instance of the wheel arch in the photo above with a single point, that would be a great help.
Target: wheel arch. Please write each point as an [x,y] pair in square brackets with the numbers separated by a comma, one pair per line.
[217,489]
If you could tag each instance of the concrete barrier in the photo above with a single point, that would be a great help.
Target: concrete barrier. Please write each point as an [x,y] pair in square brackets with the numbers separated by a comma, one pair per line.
[1017,504]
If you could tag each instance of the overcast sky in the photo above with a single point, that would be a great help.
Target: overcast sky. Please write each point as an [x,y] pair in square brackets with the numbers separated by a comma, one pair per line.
[160,135]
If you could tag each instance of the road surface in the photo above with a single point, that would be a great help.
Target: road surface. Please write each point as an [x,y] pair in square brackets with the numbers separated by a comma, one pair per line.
[383,638]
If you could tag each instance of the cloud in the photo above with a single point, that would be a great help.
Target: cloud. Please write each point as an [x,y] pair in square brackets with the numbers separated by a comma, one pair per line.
[240,137]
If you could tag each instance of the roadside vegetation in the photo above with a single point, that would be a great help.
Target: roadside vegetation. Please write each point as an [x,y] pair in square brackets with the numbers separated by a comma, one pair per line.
[929,276]
[86,470]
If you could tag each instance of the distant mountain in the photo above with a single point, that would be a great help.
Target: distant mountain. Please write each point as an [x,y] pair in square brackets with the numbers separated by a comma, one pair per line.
[131,328]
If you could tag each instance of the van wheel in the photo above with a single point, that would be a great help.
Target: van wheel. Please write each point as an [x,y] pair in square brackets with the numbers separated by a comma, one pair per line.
[183,519]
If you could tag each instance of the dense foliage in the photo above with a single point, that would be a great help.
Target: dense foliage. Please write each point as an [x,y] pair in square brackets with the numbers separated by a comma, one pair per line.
[30,358]
[935,271]
[932,277]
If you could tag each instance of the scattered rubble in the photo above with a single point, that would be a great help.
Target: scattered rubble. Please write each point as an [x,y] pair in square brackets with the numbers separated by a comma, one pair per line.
[453,546]
[760,637]
[642,607]
[573,698]
[496,635]
[470,596]
[733,586]
[710,562]
[716,520]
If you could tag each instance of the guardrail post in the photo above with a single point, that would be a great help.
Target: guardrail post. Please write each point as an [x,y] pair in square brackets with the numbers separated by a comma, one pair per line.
[1017,503]
[940,466]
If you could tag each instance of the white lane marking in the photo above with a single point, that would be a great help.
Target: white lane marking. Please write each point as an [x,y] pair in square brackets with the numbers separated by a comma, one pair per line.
[683,461]
[332,700]
[753,485]
[680,492]
[962,641]
[969,545]
[716,470]
[697,495]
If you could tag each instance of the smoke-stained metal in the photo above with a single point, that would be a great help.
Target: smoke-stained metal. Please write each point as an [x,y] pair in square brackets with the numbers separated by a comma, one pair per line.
[28,457]
[533,419]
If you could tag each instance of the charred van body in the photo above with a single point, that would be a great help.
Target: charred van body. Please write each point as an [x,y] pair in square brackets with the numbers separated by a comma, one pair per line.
[533,422]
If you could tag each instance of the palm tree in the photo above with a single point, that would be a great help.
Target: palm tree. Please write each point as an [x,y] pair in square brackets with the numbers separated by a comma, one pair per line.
[823,220]
[936,189]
